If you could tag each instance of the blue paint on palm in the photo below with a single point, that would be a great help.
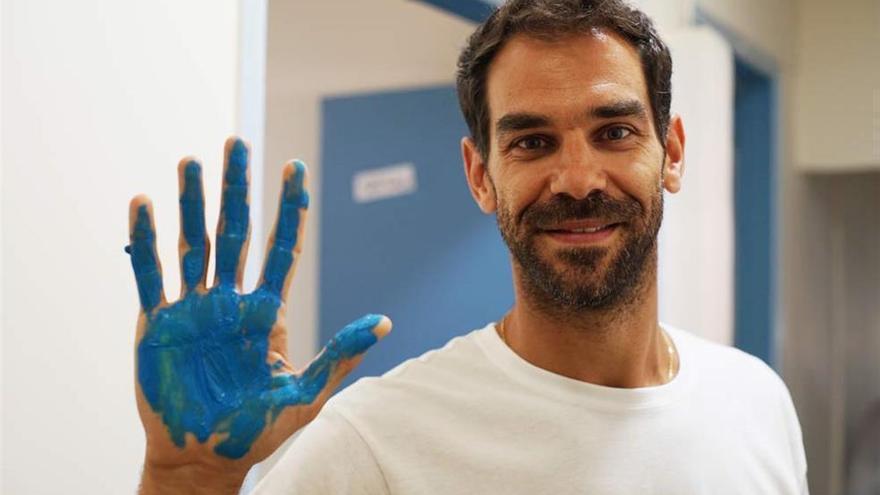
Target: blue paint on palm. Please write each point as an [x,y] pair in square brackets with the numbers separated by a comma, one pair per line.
[202,366]
[203,360]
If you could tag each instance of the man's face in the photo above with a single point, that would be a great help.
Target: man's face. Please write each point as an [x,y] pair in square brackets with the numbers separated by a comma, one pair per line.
[576,168]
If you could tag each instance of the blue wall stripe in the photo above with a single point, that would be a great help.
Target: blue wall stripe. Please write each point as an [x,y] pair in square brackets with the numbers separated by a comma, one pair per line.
[473,10]
[755,212]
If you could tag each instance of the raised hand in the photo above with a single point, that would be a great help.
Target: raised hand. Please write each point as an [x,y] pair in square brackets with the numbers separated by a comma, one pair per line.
[215,390]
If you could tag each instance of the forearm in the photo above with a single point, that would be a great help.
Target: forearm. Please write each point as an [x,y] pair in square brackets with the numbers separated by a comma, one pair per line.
[189,480]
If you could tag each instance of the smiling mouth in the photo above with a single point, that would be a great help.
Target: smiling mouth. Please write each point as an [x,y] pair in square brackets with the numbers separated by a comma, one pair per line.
[582,234]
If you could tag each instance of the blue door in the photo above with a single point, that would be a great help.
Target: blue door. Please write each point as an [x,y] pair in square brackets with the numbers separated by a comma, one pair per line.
[420,252]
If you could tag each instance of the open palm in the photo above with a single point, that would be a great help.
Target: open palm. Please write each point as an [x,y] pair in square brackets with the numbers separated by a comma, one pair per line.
[215,385]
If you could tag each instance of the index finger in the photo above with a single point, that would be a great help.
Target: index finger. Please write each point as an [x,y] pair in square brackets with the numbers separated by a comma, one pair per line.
[285,242]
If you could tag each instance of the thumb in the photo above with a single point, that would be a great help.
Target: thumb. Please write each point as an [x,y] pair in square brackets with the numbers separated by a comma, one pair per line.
[342,354]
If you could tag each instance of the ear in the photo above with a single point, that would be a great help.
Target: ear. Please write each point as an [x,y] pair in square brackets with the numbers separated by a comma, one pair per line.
[477,173]
[673,166]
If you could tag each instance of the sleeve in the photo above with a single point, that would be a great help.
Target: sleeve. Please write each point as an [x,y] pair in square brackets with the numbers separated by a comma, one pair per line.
[329,457]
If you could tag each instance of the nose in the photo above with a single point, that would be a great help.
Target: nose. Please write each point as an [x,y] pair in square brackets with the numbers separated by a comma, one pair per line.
[579,170]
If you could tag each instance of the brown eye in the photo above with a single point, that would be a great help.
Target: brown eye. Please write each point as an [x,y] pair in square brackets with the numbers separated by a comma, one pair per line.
[531,143]
[617,133]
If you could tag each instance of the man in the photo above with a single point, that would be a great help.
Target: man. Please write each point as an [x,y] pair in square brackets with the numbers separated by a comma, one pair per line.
[578,389]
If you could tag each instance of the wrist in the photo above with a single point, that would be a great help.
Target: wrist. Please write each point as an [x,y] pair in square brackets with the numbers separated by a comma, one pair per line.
[189,479]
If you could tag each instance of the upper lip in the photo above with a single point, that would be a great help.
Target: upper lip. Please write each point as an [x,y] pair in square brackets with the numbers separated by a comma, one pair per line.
[579,224]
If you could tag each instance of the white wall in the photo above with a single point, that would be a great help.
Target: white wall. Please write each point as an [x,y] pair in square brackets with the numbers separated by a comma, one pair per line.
[100,100]
[696,241]
[2,317]
[766,28]
[837,90]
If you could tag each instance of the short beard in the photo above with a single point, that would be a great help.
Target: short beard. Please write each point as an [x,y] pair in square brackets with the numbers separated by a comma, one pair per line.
[571,291]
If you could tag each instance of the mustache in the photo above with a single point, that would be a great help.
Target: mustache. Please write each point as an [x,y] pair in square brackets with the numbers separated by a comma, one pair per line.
[597,204]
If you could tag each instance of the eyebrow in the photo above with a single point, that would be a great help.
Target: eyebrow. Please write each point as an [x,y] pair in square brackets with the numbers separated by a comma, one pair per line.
[625,108]
[514,122]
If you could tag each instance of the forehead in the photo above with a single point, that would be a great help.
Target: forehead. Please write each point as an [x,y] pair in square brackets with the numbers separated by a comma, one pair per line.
[567,75]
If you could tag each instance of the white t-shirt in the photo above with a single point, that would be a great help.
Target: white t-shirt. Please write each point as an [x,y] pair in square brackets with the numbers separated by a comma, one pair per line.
[474,417]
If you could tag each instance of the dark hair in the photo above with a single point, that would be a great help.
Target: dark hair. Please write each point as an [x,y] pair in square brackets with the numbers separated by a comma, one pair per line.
[552,19]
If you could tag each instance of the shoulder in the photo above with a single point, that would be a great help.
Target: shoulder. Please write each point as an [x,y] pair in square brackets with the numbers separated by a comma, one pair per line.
[731,371]
[714,359]
[747,390]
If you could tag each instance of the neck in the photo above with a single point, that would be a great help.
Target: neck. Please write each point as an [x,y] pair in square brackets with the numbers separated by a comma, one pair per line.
[619,347]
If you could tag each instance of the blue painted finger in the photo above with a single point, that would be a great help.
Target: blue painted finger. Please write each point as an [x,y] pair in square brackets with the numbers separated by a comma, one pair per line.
[284,243]
[234,225]
[348,343]
[193,235]
[144,258]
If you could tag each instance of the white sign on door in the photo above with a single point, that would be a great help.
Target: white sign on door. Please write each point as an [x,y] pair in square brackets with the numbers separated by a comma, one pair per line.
[383,183]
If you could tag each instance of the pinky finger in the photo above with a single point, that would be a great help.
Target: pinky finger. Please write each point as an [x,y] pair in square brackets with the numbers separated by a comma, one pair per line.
[144,258]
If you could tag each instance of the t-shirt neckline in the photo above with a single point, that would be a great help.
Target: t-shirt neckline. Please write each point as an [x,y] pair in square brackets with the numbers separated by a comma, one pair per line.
[585,394]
